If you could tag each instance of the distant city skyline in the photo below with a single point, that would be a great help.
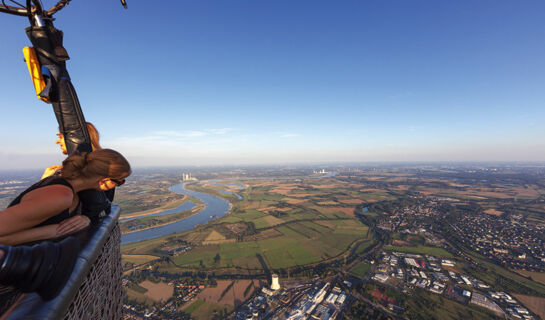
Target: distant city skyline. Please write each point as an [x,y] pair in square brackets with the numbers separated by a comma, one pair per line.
[243,83]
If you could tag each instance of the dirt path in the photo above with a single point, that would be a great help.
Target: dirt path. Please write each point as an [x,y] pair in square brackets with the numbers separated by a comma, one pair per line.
[233,297]
[157,291]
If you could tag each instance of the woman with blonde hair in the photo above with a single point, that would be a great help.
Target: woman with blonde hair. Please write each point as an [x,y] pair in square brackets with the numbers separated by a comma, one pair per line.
[95,144]
[95,204]
[48,208]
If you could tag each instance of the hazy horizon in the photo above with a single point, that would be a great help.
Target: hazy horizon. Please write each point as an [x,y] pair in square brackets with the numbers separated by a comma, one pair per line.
[39,162]
[262,83]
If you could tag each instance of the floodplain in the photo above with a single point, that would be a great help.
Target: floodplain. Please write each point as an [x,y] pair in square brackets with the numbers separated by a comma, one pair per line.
[276,224]
[302,226]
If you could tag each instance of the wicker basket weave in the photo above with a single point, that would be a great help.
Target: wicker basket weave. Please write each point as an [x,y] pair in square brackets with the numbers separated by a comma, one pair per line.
[94,290]
[100,295]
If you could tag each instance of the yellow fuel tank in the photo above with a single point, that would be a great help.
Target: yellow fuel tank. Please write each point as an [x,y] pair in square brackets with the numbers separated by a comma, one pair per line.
[35,71]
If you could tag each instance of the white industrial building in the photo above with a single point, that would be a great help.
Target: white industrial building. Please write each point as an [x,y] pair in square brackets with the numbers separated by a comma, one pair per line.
[275,285]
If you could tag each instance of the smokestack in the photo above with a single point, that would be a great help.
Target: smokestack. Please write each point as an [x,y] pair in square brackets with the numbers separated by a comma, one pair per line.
[275,285]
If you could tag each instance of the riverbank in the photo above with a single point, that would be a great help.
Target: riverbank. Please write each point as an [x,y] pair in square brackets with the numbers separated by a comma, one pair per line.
[217,193]
[168,206]
[194,211]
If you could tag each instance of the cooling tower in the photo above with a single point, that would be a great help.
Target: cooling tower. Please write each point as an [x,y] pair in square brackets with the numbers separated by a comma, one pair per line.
[275,285]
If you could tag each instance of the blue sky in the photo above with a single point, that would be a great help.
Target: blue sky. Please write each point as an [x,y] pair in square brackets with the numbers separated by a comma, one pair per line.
[256,82]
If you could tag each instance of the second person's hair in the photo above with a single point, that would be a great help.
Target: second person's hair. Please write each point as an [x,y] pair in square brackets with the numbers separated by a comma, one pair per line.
[106,163]
[94,136]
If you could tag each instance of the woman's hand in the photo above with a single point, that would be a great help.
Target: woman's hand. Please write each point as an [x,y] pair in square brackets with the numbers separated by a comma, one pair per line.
[51,171]
[72,225]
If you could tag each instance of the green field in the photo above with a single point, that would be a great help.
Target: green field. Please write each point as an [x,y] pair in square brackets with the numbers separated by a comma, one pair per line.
[143,247]
[363,247]
[297,243]
[194,306]
[264,196]
[505,279]
[137,259]
[361,269]
[261,223]
[202,256]
[201,310]
[428,306]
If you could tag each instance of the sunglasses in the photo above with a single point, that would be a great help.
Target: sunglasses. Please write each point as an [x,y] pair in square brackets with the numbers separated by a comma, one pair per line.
[118,182]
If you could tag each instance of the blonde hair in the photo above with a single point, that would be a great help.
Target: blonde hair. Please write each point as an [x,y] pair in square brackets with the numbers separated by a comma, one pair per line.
[94,136]
[106,163]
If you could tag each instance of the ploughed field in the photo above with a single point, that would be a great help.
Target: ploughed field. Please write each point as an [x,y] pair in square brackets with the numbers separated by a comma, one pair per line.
[149,292]
[276,224]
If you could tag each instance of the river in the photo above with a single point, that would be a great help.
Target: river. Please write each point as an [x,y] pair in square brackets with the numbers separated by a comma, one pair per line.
[215,208]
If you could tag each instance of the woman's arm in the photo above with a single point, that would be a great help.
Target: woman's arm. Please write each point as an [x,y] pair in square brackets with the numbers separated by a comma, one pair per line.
[36,207]
[51,231]
[28,235]
[73,224]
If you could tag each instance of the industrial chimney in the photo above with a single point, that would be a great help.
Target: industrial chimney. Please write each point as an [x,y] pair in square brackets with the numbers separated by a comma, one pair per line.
[275,285]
